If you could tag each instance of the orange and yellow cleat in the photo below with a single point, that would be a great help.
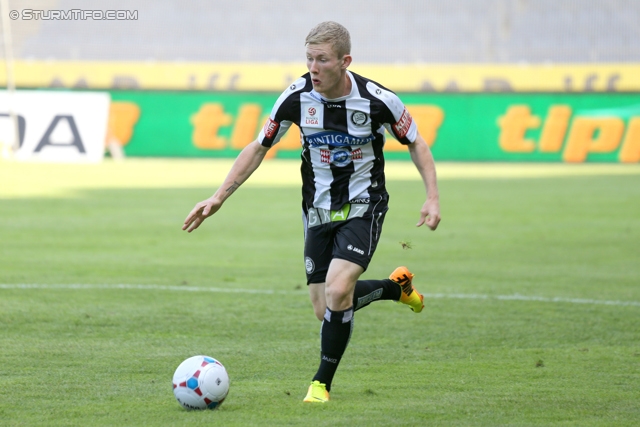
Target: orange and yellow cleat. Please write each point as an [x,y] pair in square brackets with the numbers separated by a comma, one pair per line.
[409,295]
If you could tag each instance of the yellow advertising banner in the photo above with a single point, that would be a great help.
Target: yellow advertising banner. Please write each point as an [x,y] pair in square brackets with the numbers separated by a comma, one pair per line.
[274,77]
[571,128]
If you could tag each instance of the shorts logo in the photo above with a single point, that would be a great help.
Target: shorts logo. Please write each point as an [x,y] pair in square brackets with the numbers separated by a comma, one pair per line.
[309,265]
[401,128]
[270,128]
[359,118]
[354,249]
[292,87]
[339,156]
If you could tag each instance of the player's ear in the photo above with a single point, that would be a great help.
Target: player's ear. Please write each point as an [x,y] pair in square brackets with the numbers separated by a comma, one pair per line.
[346,61]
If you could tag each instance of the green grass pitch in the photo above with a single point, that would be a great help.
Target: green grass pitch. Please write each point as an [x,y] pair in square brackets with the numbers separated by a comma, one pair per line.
[532,287]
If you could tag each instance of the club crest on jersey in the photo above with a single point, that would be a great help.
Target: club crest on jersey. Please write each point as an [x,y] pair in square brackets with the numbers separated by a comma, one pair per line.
[359,118]
[340,156]
[311,119]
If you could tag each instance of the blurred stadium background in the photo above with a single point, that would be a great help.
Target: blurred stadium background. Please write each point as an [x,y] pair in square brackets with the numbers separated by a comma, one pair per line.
[406,31]
[552,62]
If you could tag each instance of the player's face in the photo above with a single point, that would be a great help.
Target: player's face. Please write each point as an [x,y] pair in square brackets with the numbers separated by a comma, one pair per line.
[328,72]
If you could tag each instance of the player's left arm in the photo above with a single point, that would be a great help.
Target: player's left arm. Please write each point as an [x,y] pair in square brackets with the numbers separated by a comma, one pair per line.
[423,159]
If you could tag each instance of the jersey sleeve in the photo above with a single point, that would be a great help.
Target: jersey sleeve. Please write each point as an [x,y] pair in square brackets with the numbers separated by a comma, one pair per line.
[283,115]
[394,115]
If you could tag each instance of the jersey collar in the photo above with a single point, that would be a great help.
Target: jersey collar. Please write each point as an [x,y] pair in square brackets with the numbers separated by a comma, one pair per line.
[322,99]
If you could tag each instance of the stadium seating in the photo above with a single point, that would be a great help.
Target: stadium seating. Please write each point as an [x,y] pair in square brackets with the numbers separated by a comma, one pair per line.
[406,31]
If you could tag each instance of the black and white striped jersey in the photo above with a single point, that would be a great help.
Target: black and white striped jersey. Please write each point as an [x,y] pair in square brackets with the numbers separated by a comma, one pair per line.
[342,139]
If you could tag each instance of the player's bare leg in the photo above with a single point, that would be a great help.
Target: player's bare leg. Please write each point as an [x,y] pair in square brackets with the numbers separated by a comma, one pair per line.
[341,281]
[318,299]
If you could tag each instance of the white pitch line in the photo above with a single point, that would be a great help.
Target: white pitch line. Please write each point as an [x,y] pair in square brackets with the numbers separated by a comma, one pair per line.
[517,297]
[231,290]
[149,287]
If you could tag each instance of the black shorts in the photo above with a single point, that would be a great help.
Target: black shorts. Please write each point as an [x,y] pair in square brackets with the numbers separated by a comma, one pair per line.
[351,233]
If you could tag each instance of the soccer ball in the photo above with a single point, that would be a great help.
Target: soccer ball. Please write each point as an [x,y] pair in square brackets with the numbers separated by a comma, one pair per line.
[200,382]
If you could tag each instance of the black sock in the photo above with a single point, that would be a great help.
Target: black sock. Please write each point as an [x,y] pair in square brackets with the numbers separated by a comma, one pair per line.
[334,337]
[367,291]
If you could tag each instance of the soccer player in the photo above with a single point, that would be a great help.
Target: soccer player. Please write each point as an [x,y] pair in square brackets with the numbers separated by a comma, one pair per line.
[342,118]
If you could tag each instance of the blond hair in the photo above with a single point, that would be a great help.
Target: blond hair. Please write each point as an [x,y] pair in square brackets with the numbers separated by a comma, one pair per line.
[334,34]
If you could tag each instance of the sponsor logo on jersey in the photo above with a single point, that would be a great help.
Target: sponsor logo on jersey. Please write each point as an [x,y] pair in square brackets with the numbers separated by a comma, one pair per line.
[332,105]
[311,119]
[270,128]
[338,139]
[360,201]
[359,118]
[317,216]
[340,156]
[402,126]
[325,156]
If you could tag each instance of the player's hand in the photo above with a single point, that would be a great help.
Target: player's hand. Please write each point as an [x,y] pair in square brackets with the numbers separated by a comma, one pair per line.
[200,212]
[430,214]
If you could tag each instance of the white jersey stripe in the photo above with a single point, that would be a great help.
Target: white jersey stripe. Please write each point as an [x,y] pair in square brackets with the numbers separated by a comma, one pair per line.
[361,178]
[323,177]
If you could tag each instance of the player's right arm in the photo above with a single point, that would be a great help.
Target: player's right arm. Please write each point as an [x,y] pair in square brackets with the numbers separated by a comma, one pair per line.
[250,157]
[246,163]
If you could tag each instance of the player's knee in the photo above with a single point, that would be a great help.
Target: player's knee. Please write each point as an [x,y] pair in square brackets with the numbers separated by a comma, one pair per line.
[335,293]
[338,297]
